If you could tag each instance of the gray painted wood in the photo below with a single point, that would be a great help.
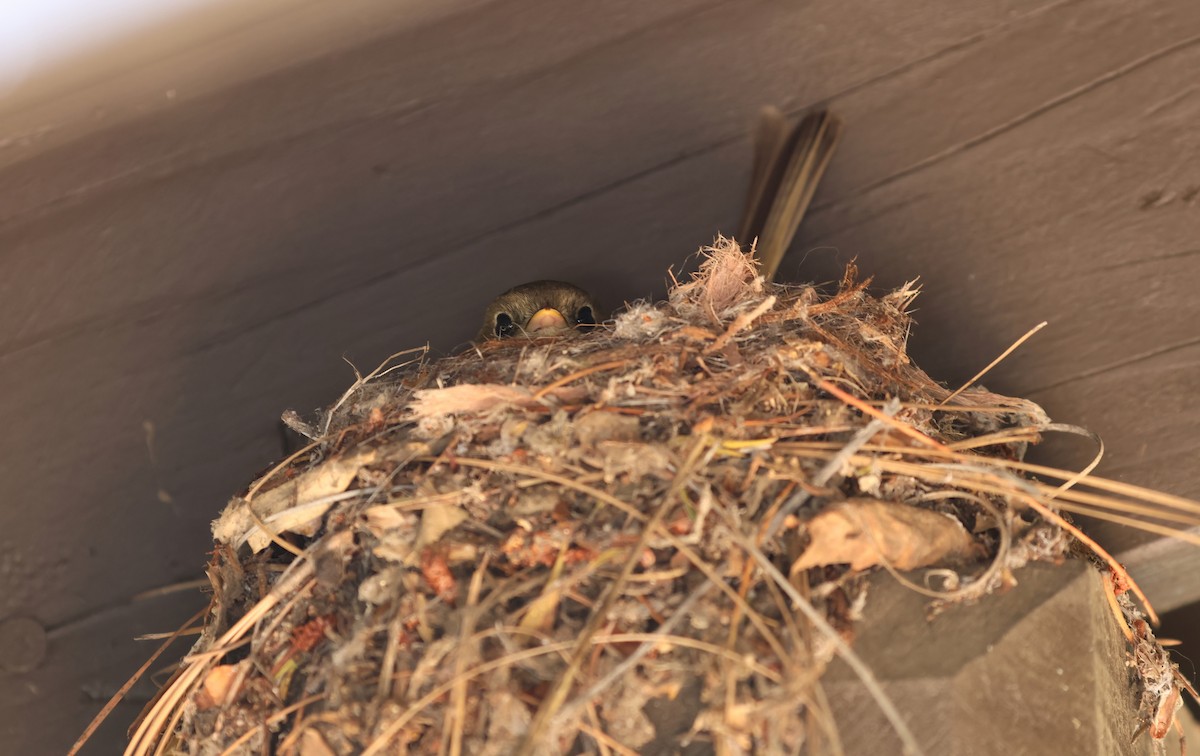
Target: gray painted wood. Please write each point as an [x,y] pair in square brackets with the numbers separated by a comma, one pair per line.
[202,263]
[1003,676]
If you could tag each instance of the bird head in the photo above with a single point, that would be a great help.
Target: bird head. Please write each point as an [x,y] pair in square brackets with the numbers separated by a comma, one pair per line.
[538,308]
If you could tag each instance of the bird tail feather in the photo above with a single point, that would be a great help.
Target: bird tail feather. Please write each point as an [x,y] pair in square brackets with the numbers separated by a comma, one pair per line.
[789,161]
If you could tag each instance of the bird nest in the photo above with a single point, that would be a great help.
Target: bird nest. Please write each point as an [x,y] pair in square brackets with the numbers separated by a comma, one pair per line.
[535,545]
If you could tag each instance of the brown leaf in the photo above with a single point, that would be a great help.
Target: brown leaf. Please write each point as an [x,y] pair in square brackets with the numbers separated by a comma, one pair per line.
[312,743]
[866,532]
[543,610]
[438,519]
[396,530]
[296,506]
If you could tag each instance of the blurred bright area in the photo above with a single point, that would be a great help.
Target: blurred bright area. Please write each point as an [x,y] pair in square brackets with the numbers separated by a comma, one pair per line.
[36,35]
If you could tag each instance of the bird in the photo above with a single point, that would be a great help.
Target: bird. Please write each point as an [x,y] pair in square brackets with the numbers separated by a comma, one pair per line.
[789,160]
[539,308]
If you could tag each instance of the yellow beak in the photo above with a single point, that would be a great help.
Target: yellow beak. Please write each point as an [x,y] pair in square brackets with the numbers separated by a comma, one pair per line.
[546,319]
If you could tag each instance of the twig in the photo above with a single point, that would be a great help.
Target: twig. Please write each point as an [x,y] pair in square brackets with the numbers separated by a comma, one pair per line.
[153,725]
[516,657]
[884,417]
[740,323]
[570,710]
[996,361]
[361,381]
[278,716]
[542,392]
[834,465]
[852,659]
[566,679]
[124,689]
[458,695]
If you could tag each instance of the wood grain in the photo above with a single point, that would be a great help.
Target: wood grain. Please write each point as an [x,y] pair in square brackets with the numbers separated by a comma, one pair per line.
[204,264]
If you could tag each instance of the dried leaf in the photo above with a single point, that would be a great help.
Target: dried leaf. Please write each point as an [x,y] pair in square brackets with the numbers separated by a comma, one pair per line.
[437,520]
[396,531]
[543,609]
[312,743]
[384,517]
[296,506]
[866,532]
[469,398]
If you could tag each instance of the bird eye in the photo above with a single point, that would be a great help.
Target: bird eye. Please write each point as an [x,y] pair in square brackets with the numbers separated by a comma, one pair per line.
[585,317]
[505,326]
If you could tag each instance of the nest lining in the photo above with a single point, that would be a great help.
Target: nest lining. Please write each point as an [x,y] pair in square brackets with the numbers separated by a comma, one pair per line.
[534,546]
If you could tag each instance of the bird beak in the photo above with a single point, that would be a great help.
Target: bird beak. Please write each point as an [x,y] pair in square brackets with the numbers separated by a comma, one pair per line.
[545,320]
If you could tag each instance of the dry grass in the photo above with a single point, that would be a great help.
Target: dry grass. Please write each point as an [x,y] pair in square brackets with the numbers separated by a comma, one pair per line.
[514,549]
